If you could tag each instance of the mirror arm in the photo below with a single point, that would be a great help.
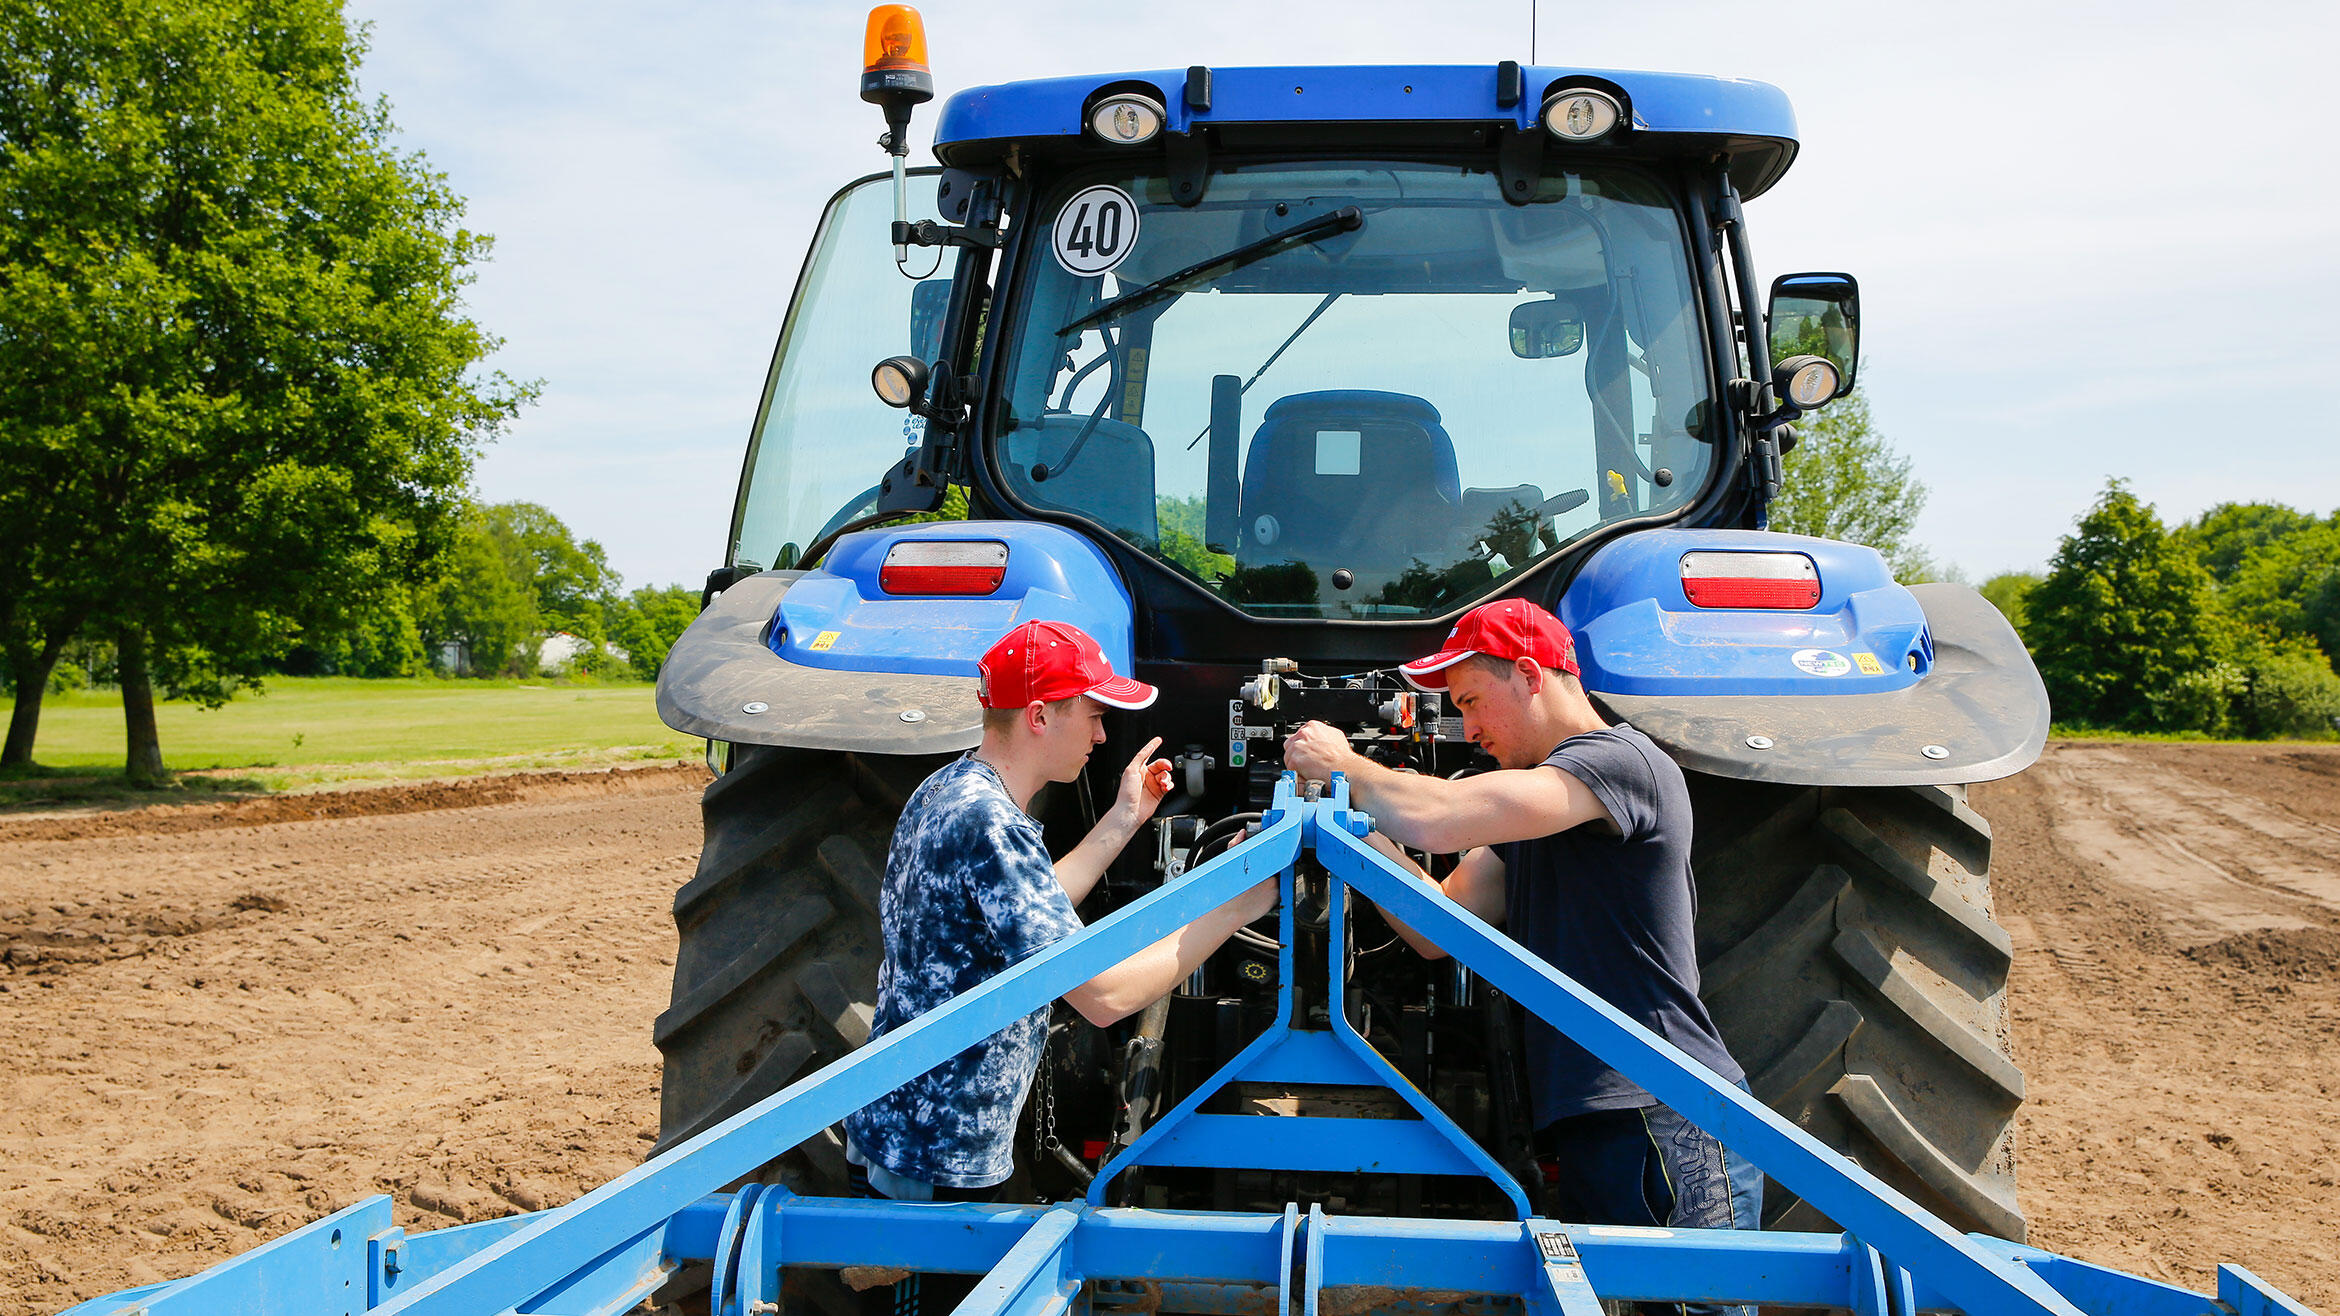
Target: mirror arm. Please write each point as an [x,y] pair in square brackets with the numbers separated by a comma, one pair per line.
[934,233]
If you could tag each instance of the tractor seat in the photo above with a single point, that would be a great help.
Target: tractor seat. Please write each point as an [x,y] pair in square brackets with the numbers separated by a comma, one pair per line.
[1348,478]
[1110,480]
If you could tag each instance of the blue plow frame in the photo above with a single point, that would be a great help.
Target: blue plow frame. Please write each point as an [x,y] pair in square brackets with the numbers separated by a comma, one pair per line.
[607,1251]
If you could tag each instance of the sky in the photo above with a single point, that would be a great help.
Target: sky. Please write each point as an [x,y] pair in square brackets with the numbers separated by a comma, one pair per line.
[2093,240]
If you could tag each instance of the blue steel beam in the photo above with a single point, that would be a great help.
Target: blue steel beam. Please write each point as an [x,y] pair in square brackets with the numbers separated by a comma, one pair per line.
[1565,1291]
[1033,1279]
[2251,1296]
[1469,1256]
[566,1238]
[283,1275]
[1866,1206]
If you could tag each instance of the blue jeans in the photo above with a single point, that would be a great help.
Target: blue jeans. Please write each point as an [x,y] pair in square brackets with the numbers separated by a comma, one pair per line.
[935,1294]
[1652,1168]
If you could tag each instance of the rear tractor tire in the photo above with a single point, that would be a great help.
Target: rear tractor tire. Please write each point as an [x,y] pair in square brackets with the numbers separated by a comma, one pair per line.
[1851,960]
[776,971]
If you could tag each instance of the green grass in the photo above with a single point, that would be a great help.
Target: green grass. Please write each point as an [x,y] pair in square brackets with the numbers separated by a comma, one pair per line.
[2081,731]
[308,731]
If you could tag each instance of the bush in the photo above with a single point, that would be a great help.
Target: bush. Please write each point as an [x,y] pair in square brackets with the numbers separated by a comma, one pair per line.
[2286,690]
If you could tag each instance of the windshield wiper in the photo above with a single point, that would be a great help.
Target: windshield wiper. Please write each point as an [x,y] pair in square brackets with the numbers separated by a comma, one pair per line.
[1343,220]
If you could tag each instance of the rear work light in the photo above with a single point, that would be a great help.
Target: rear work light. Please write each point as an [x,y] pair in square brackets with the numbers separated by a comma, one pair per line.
[1750,580]
[917,566]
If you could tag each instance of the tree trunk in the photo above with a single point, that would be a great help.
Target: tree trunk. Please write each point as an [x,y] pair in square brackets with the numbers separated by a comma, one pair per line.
[30,669]
[31,675]
[144,764]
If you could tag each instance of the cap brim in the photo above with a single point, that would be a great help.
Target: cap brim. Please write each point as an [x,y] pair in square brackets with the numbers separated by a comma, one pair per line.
[1430,673]
[1122,692]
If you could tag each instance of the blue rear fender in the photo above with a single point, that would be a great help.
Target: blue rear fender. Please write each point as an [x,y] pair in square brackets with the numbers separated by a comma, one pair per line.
[1638,633]
[828,659]
[840,617]
[1871,683]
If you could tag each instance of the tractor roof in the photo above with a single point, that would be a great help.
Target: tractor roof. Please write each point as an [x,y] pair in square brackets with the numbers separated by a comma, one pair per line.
[1669,112]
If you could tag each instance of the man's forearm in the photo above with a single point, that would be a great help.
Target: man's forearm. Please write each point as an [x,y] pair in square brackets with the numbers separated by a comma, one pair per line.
[1080,869]
[1422,945]
[1156,971]
[1409,806]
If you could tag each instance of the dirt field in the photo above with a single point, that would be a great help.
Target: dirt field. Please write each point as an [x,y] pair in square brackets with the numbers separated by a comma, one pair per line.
[218,1022]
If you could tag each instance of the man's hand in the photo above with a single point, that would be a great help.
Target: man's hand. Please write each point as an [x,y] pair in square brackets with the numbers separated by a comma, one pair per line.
[1143,784]
[1317,751]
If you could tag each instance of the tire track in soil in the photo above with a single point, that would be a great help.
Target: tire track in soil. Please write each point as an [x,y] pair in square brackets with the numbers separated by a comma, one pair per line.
[2176,1006]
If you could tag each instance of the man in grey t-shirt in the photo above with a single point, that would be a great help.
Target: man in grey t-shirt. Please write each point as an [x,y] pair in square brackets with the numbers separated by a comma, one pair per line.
[1580,849]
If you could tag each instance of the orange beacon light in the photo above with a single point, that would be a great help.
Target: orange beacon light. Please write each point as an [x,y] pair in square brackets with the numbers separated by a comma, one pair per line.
[893,61]
[894,77]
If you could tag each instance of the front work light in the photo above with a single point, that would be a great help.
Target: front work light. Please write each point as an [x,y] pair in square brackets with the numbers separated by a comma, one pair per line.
[1126,119]
[900,381]
[1581,114]
[1807,381]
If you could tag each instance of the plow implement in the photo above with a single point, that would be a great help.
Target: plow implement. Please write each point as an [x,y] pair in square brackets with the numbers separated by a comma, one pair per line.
[615,1247]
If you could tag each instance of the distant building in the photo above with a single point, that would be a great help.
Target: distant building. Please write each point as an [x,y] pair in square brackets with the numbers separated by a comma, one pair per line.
[558,651]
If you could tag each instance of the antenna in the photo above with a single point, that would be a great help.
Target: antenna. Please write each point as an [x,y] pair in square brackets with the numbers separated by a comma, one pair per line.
[1532,31]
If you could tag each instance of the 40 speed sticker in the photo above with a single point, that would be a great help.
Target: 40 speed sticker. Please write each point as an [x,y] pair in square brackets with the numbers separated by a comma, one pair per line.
[1822,662]
[1096,230]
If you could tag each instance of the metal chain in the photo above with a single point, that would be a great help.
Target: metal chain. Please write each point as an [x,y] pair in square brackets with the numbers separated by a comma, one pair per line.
[1044,1143]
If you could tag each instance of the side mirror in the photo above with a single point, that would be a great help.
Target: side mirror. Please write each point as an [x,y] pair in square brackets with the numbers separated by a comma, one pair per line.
[1541,330]
[929,302]
[1817,315]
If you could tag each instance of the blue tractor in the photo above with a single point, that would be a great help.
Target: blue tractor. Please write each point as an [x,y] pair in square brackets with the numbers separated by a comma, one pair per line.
[1262,376]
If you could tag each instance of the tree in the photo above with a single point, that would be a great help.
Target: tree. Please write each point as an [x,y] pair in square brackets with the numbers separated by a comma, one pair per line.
[2290,585]
[2227,535]
[2010,593]
[237,388]
[647,622]
[478,603]
[569,581]
[1843,480]
[2123,627]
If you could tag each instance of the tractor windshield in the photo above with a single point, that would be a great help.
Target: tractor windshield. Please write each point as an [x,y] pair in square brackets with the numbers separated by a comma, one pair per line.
[1422,392]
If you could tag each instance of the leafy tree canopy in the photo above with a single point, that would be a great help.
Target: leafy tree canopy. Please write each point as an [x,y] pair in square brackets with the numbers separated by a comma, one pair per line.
[647,622]
[2123,621]
[2227,535]
[239,396]
[2280,570]
[2010,593]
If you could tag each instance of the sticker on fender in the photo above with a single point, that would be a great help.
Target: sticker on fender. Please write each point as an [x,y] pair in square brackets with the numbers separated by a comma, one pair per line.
[1822,662]
[1869,665]
[1096,230]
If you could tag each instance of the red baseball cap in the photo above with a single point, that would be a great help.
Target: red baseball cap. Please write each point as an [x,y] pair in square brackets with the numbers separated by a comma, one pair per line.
[1052,660]
[1507,629]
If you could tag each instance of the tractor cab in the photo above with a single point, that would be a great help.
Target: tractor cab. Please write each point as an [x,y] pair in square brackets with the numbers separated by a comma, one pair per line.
[1299,345]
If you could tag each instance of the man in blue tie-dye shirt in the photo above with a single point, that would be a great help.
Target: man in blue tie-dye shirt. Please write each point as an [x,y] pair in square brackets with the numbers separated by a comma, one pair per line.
[970,890]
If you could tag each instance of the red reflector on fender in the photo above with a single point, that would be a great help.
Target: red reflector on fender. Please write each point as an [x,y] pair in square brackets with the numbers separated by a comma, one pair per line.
[918,566]
[1750,580]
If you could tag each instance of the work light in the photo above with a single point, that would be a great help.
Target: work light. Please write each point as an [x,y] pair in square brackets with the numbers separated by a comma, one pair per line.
[900,381]
[1807,381]
[1580,114]
[1127,119]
